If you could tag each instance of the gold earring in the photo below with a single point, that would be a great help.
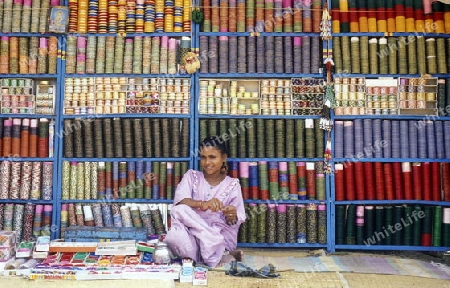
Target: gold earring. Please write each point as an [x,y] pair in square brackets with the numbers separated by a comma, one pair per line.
[224,168]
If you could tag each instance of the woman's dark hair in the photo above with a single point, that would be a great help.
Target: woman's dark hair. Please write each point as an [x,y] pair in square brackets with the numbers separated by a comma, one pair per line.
[213,141]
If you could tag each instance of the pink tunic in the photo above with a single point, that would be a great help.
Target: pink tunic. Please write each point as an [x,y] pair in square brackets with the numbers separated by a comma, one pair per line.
[204,235]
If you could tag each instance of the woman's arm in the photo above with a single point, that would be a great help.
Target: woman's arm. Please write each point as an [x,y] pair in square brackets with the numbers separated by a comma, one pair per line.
[236,201]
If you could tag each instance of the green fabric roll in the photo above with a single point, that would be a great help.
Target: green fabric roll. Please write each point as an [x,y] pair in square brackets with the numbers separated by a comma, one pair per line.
[203,130]
[337,53]
[346,56]
[280,137]
[397,236]
[320,139]
[441,97]
[261,143]
[241,141]
[340,224]
[421,55]
[251,137]
[384,61]
[212,127]
[364,54]
[379,223]
[274,191]
[300,138]
[233,142]
[369,221]
[270,138]
[407,226]
[350,225]
[290,138]
[388,221]
[437,226]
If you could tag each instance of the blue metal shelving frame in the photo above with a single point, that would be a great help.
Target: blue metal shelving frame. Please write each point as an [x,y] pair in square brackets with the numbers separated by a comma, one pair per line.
[332,246]
[194,120]
[54,159]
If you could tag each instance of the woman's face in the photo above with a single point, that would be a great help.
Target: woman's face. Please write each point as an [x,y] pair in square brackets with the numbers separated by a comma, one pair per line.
[211,160]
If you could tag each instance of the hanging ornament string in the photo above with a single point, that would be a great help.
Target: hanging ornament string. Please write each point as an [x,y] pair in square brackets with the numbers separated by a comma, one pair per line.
[325,24]
[328,102]
[325,28]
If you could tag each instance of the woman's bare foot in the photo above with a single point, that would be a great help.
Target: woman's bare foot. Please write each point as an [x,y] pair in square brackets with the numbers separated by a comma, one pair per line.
[238,255]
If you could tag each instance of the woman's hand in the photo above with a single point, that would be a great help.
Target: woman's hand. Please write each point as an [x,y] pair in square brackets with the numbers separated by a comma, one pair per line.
[230,214]
[214,205]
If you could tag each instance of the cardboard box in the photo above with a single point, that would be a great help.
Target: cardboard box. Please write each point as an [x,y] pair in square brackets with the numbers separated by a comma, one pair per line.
[98,234]
[6,253]
[7,238]
[200,276]
[25,249]
[72,246]
[116,248]
[186,275]
[42,244]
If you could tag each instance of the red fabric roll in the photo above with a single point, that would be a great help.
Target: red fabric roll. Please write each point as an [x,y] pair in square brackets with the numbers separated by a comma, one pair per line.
[379,181]
[398,181]
[388,181]
[310,184]
[407,180]
[293,184]
[264,194]
[426,181]
[245,192]
[254,192]
[359,181]
[417,180]
[425,240]
[419,15]
[436,181]
[369,183]
[446,180]
[339,182]
[349,181]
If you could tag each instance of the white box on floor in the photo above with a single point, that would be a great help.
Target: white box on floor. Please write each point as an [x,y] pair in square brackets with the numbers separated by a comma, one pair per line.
[200,276]
[186,275]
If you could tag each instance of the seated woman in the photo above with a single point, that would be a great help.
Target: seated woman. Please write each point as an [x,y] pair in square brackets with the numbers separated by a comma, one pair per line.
[208,210]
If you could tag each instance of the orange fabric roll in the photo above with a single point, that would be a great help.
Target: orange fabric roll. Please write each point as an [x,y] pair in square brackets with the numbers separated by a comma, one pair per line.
[15,139]
[33,139]
[420,25]
[7,139]
[447,22]
[428,26]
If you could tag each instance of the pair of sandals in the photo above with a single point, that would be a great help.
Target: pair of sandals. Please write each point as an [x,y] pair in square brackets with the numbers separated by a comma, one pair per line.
[241,270]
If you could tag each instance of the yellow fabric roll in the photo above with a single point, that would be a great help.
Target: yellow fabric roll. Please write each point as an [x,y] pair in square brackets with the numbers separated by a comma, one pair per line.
[354,27]
[427,26]
[420,25]
[390,25]
[440,28]
[447,22]
[400,24]
[363,25]
[382,26]
[410,25]
[335,26]
[343,5]
[372,23]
